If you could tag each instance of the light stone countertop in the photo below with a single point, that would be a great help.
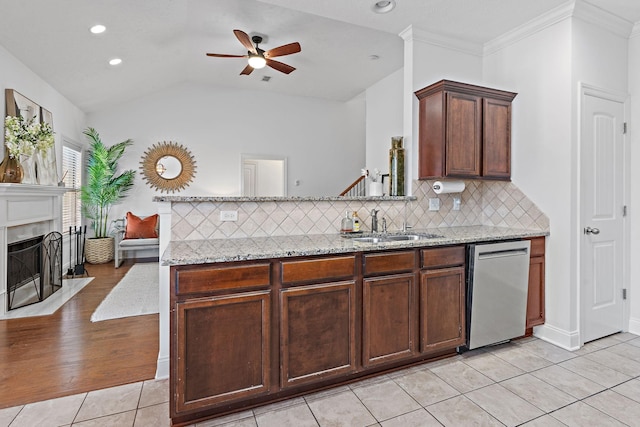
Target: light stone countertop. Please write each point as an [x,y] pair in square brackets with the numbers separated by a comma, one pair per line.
[198,199]
[185,252]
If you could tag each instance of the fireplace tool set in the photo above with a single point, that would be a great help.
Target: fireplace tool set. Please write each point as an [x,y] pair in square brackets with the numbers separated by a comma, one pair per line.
[79,234]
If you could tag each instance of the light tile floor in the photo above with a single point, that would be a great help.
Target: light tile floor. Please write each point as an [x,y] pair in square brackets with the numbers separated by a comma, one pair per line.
[527,382]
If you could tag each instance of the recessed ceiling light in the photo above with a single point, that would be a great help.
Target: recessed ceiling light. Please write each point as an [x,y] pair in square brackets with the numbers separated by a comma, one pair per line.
[97,29]
[115,61]
[384,6]
[374,57]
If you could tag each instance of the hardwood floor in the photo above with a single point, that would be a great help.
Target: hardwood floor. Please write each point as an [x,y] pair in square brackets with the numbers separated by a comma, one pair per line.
[63,354]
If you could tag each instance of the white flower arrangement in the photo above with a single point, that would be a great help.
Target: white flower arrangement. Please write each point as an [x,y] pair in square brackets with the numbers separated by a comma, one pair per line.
[374,176]
[24,137]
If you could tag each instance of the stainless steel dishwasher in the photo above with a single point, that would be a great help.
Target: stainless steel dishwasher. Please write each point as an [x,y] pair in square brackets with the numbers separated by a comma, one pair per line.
[497,283]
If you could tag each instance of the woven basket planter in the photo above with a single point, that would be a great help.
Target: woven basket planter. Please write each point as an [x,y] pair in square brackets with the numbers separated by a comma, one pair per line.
[98,251]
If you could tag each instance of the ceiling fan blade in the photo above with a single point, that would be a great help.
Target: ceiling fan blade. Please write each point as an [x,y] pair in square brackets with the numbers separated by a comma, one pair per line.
[247,70]
[222,55]
[276,65]
[286,49]
[245,40]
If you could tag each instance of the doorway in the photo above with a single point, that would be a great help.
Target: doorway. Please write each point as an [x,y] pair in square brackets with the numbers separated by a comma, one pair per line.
[603,180]
[263,176]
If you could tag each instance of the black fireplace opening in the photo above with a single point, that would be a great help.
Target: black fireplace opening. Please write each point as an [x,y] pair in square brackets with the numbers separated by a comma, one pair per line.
[34,269]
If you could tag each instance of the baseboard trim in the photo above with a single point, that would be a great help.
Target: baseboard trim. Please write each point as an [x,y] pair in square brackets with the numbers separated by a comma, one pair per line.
[162,369]
[634,325]
[559,337]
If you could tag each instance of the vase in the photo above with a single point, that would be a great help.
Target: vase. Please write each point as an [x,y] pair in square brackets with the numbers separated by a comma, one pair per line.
[375,188]
[28,164]
[396,167]
[10,170]
[46,169]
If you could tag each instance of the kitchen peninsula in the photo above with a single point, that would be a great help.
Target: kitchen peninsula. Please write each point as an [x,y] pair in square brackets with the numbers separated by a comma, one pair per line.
[260,317]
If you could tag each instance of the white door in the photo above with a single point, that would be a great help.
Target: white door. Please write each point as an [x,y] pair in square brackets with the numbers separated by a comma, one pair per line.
[601,204]
[249,177]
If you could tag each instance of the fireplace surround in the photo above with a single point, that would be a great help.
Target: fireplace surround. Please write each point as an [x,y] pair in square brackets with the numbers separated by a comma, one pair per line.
[26,211]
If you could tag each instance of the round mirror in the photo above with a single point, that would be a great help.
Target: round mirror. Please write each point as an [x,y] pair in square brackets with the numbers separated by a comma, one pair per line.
[167,166]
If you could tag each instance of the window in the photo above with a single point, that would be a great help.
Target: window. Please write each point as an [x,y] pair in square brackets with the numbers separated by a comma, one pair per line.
[72,170]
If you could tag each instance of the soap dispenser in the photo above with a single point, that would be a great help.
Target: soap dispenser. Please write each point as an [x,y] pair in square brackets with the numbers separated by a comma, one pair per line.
[347,224]
[356,222]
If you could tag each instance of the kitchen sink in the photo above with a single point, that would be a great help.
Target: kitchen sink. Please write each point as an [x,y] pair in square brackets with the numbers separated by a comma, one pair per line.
[394,238]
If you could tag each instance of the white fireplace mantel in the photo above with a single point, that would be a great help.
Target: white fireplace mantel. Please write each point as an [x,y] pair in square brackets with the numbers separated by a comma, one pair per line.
[20,206]
[31,190]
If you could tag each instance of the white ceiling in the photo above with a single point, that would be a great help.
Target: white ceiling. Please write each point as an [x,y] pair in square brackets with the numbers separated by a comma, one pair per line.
[163,42]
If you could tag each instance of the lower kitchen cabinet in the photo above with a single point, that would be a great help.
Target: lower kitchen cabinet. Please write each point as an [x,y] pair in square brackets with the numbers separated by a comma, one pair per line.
[442,298]
[442,309]
[249,333]
[317,332]
[535,298]
[389,319]
[222,349]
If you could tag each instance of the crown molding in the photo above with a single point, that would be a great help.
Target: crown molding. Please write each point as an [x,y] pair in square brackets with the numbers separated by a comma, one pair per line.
[635,32]
[423,36]
[602,18]
[577,8]
[536,25]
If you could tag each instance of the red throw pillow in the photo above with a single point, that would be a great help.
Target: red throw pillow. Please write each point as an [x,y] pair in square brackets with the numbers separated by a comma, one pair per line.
[138,228]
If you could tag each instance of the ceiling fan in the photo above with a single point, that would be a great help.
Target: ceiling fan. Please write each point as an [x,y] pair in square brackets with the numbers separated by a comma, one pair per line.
[258,58]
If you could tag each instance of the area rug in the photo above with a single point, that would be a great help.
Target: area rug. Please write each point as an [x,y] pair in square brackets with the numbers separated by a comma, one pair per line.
[69,288]
[136,294]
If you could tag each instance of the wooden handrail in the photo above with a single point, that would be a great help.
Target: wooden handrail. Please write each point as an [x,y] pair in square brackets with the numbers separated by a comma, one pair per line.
[356,182]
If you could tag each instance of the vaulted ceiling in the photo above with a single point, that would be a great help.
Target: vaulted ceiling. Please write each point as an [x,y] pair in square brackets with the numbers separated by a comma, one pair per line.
[163,42]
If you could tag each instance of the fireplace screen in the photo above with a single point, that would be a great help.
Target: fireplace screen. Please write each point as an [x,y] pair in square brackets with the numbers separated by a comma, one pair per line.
[34,269]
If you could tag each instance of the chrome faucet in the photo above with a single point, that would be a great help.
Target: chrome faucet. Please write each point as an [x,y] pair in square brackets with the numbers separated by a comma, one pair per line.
[374,220]
[384,224]
[405,226]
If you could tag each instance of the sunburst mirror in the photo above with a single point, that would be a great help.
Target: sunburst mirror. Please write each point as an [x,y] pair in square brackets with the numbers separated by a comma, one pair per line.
[168,166]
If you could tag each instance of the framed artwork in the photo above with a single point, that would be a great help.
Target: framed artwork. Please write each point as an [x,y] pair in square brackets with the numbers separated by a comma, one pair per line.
[46,169]
[19,105]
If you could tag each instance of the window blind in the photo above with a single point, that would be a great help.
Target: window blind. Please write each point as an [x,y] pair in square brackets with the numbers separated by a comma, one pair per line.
[72,168]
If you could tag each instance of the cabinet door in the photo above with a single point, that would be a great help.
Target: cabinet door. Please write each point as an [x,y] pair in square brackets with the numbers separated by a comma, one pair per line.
[535,298]
[463,135]
[389,319]
[496,139]
[442,307]
[222,349]
[317,332]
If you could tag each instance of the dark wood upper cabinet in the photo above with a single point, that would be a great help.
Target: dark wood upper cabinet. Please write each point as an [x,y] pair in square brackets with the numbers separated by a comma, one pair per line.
[464,131]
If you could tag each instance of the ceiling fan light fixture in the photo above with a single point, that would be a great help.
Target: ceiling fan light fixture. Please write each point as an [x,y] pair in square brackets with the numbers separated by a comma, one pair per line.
[384,6]
[257,61]
[98,29]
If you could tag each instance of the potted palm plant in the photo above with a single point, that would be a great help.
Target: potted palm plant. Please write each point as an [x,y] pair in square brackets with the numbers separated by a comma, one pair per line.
[104,187]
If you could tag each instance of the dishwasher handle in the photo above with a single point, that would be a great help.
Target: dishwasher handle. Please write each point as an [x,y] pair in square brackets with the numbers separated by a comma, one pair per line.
[503,253]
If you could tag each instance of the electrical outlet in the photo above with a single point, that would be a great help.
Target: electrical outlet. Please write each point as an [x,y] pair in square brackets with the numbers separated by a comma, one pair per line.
[228,215]
[434,204]
[456,203]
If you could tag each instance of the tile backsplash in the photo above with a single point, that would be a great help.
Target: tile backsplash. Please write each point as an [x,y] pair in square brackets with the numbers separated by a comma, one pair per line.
[494,203]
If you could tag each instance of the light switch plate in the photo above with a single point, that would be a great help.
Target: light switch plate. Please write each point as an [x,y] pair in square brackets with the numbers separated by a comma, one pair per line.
[228,215]
[456,203]
[434,204]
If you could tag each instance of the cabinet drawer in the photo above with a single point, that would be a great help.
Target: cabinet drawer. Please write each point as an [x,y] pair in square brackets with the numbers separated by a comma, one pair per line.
[317,269]
[537,246]
[389,262]
[215,278]
[443,257]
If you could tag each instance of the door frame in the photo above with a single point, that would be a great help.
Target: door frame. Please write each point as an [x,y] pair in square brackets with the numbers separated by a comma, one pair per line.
[585,89]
